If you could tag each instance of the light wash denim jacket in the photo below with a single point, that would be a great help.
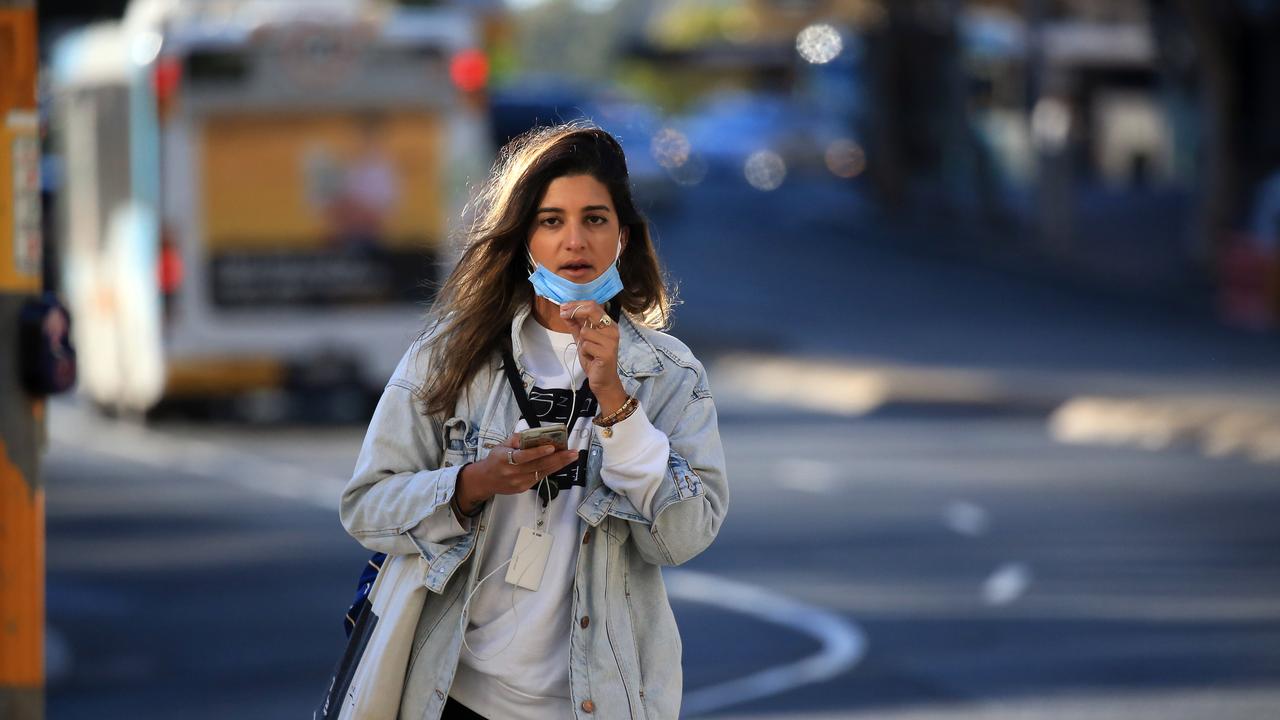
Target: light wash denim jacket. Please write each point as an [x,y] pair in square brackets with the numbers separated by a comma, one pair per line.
[624,644]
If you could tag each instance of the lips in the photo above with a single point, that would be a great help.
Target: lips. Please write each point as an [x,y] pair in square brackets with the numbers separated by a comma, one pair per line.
[577,269]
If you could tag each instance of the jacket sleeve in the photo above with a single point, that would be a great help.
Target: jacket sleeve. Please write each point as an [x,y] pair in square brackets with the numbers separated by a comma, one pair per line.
[692,499]
[397,501]
[635,460]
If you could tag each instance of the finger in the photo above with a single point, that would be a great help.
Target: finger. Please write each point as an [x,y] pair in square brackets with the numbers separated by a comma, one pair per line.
[503,457]
[587,309]
[598,338]
[530,477]
[577,313]
[597,350]
[601,334]
[533,454]
[512,442]
[582,314]
[520,483]
[555,463]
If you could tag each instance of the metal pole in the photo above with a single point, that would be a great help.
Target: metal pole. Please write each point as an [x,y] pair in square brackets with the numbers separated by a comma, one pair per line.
[21,416]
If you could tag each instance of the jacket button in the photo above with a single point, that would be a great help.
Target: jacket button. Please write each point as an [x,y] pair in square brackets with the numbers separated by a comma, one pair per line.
[585,622]
[586,537]
[588,706]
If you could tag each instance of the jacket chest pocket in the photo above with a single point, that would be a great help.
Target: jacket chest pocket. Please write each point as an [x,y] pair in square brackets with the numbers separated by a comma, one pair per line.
[460,441]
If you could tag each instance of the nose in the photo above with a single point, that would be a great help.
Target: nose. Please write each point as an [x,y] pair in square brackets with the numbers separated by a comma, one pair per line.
[575,238]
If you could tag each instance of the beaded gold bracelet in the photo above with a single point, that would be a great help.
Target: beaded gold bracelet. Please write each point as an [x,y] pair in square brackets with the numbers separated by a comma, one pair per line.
[612,418]
[607,422]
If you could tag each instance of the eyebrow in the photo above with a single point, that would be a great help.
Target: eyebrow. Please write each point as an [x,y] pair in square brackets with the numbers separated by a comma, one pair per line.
[589,208]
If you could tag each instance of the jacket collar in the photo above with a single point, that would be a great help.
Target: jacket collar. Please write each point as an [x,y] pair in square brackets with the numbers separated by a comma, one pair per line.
[637,357]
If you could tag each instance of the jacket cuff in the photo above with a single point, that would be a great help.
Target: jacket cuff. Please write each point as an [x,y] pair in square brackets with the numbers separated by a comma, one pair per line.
[635,459]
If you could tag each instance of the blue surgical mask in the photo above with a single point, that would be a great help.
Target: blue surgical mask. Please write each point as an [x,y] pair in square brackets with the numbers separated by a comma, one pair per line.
[562,290]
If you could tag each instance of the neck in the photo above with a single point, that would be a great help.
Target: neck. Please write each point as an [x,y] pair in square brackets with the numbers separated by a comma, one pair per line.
[547,314]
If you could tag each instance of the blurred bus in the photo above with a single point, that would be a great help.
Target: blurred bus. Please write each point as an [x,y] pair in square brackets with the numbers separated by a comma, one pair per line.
[258,194]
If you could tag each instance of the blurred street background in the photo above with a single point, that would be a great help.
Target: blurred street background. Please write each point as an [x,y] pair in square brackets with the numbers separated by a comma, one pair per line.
[988,291]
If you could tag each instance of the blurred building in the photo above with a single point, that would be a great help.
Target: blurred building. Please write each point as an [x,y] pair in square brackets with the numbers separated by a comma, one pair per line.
[1130,143]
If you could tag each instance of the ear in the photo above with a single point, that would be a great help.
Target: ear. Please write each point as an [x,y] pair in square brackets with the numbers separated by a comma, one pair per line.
[626,233]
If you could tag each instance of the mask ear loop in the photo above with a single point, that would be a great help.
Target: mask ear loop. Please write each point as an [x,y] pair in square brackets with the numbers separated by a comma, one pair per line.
[573,358]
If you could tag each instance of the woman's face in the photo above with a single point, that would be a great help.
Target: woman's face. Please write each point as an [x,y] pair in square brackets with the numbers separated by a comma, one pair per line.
[575,229]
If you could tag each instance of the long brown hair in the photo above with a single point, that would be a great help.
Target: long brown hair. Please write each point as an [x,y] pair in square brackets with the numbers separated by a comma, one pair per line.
[470,319]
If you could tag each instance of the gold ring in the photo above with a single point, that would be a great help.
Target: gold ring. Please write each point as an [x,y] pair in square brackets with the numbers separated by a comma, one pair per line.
[605,321]
[511,457]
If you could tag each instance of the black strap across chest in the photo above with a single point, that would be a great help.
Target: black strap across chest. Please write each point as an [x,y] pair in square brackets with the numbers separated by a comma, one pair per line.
[580,401]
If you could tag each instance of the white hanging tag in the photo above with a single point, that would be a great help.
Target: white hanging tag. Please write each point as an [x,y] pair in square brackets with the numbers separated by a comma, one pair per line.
[529,560]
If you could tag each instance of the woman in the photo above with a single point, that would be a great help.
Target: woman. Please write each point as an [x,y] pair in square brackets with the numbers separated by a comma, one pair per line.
[548,317]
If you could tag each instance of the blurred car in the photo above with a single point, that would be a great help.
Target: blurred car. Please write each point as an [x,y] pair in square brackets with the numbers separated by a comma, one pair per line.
[727,128]
[1249,264]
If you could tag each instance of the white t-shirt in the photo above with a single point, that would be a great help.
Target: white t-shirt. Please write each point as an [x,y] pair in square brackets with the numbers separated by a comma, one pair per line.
[517,664]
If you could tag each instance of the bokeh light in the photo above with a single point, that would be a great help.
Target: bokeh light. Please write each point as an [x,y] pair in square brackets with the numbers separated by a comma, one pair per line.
[765,170]
[1006,584]
[845,158]
[670,148]
[819,44]
[692,172]
[1050,124]
[966,518]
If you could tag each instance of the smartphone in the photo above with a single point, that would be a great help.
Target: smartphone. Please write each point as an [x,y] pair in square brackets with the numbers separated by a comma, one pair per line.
[556,434]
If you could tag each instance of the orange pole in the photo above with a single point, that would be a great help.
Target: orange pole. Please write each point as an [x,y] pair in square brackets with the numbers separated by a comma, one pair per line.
[21,416]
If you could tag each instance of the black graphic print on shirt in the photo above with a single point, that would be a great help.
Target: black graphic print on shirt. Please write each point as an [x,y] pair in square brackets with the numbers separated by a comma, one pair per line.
[553,406]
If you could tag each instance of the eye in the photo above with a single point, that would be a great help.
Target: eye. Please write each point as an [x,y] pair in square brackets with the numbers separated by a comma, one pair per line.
[596,220]
[549,221]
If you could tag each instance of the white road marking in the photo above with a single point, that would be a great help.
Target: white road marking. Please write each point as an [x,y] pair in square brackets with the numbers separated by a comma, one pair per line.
[843,643]
[805,474]
[966,518]
[1008,583]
